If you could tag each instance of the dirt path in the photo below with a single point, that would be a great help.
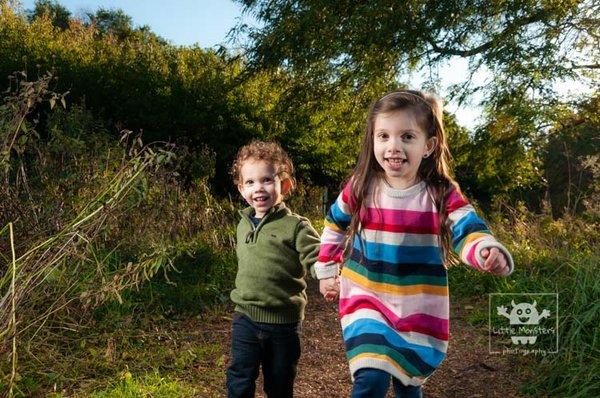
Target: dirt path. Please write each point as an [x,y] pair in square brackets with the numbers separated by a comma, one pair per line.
[468,371]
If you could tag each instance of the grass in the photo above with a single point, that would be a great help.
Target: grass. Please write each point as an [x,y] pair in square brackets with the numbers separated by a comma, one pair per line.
[148,385]
[551,256]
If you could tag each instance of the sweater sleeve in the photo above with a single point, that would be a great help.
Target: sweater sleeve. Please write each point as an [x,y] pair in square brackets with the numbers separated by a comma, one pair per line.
[334,234]
[307,245]
[470,235]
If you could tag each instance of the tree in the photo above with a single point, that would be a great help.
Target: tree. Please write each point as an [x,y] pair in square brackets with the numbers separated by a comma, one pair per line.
[115,22]
[368,47]
[57,13]
[524,43]
[573,143]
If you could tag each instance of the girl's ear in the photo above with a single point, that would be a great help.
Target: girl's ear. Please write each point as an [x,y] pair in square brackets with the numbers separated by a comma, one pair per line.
[431,145]
[286,186]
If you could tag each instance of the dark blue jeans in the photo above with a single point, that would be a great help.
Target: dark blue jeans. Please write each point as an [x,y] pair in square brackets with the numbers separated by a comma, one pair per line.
[275,346]
[374,383]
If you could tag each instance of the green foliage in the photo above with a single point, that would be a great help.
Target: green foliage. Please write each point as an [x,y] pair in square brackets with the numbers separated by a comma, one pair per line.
[142,82]
[114,22]
[551,256]
[51,9]
[568,168]
[149,385]
[93,219]
[523,43]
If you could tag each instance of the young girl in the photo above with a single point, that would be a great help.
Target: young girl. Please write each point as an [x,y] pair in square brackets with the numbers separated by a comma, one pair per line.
[393,226]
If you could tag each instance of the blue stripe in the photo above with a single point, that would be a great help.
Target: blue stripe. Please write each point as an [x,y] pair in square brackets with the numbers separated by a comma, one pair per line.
[406,269]
[465,225]
[429,355]
[338,217]
[399,254]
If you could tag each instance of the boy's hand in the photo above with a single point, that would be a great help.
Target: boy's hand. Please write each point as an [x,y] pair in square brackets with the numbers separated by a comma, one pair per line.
[495,261]
[329,288]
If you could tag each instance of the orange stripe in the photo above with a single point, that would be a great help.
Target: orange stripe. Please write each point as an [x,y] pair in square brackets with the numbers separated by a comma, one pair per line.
[333,226]
[393,289]
[387,360]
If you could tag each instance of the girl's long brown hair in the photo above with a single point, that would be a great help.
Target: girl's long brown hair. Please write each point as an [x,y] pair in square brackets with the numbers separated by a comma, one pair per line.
[434,169]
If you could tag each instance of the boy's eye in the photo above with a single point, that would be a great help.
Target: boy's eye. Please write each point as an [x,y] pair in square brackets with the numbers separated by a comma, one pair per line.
[249,182]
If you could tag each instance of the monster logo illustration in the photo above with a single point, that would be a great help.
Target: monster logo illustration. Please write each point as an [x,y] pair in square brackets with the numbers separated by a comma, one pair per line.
[523,314]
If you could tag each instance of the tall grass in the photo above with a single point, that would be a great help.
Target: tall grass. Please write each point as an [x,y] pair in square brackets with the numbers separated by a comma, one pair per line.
[94,219]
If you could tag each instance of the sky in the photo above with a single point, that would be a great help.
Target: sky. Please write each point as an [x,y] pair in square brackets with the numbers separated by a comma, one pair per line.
[183,22]
[207,23]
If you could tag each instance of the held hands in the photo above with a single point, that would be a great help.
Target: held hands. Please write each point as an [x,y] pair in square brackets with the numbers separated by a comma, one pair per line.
[330,288]
[495,261]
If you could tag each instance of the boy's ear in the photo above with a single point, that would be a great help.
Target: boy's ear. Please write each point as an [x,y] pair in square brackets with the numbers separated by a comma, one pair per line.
[240,190]
[286,186]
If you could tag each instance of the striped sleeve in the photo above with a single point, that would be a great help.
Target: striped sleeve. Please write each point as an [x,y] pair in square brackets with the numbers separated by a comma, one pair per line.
[470,234]
[334,234]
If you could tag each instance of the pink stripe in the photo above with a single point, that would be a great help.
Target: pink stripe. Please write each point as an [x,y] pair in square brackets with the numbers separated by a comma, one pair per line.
[455,201]
[347,195]
[471,259]
[330,252]
[401,305]
[424,219]
[421,323]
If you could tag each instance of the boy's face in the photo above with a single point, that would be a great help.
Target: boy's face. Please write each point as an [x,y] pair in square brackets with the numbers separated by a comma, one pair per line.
[260,186]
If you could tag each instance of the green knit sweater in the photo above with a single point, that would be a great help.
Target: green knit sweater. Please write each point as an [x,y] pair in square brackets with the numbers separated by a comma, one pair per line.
[273,259]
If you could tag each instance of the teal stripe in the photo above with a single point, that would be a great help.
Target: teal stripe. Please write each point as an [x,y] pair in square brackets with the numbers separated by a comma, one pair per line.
[408,280]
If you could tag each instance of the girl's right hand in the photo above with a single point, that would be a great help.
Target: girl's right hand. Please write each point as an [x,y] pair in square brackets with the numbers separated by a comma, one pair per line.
[329,288]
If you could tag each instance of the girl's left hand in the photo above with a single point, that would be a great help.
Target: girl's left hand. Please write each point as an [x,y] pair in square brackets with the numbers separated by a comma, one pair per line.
[495,261]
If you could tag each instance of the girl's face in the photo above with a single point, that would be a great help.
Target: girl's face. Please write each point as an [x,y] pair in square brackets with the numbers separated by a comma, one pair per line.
[399,146]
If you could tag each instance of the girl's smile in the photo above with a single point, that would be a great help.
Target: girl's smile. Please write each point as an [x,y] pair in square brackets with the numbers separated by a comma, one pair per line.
[399,145]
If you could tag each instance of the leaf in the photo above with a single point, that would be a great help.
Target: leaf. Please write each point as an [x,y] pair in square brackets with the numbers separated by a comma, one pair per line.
[63,102]
[52,103]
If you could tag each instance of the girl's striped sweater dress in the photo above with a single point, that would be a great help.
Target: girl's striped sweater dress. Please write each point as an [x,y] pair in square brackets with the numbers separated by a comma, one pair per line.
[393,287]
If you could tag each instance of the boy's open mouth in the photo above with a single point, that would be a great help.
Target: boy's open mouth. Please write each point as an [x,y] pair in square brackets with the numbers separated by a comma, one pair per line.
[260,199]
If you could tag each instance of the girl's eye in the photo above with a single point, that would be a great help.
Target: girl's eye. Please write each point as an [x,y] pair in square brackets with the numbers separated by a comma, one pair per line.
[408,136]
[382,136]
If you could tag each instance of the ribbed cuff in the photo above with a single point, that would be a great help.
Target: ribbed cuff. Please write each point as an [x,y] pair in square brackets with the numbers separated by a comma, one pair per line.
[488,244]
[326,270]
[266,315]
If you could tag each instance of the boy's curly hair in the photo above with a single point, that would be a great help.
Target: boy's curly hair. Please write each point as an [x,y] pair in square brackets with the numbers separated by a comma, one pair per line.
[270,152]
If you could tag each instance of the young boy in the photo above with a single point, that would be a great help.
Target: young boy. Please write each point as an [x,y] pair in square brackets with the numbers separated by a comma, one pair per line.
[275,248]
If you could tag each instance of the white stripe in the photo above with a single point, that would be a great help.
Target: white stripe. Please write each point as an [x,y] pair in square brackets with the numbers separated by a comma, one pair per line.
[459,213]
[401,305]
[400,238]
[331,236]
[384,365]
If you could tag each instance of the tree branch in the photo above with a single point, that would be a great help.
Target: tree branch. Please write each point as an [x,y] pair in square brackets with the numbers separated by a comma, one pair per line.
[589,66]
[510,29]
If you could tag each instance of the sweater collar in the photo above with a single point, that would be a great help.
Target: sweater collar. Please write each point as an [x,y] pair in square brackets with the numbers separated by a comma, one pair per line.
[279,208]
[402,193]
